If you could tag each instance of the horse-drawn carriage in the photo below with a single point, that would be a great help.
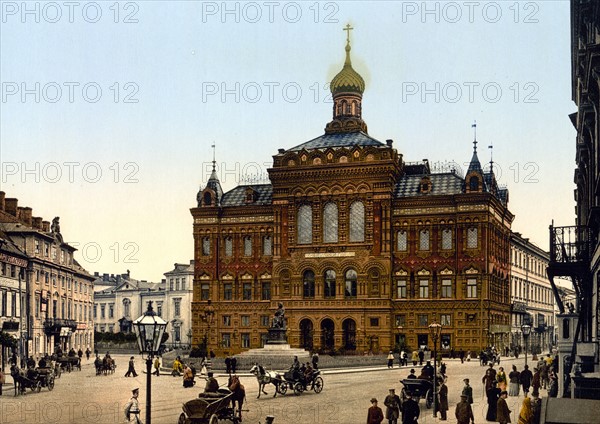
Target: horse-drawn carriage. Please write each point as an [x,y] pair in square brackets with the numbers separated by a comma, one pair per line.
[297,381]
[209,408]
[419,389]
[105,365]
[67,363]
[33,379]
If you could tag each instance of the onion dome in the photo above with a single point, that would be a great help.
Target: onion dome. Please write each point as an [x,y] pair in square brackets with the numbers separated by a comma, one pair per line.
[347,80]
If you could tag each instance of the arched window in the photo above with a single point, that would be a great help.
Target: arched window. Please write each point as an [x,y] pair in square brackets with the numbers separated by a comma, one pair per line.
[474,183]
[207,199]
[446,239]
[126,304]
[402,241]
[424,240]
[308,282]
[329,283]
[304,224]
[330,223]
[350,287]
[472,238]
[357,222]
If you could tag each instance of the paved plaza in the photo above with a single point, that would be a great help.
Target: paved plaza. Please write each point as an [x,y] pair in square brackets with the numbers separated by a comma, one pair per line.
[83,397]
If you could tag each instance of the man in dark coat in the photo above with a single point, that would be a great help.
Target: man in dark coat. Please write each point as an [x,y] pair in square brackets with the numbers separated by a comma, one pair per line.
[410,410]
[467,391]
[392,407]
[463,412]
[493,394]
[526,377]
[502,411]
[375,414]
[421,357]
[130,369]
[315,361]
[489,377]
[442,403]
[228,365]
[412,374]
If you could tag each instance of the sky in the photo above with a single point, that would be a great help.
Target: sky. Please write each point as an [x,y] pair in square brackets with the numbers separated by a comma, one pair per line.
[108,110]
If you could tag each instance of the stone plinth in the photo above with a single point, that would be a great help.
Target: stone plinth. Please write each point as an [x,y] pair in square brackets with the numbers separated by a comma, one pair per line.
[277,336]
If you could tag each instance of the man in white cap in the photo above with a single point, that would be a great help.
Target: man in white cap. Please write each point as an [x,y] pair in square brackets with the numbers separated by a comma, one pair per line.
[132,408]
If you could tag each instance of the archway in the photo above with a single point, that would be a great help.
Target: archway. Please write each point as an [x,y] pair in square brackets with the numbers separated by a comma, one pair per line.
[349,334]
[306,334]
[327,334]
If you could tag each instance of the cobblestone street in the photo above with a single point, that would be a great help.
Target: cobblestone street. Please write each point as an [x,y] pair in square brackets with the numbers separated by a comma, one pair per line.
[83,397]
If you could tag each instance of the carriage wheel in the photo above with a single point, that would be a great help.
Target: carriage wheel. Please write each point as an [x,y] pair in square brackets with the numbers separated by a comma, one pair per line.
[429,399]
[181,419]
[50,383]
[214,419]
[298,389]
[282,388]
[318,385]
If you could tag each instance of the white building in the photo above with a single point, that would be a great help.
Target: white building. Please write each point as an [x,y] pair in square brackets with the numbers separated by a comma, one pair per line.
[120,299]
[531,295]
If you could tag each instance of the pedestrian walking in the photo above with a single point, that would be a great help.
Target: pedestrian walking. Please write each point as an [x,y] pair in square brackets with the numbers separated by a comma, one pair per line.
[375,414]
[415,358]
[88,353]
[461,355]
[442,403]
[410,410]
[80,354]
[402,359]
[489,377]
[390,360]
[131,368]
[421,356]
[514,382]
[463,411]
[492,394]
[501,379]
[467,391]
[502,411]
[315,361]
[132,408]
[233,364]
[552,384]
[228,365]
[525,378]
[156,367]
[392,404]
[537,380]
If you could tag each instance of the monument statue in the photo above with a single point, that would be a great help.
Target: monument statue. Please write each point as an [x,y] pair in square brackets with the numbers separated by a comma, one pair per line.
[279,318]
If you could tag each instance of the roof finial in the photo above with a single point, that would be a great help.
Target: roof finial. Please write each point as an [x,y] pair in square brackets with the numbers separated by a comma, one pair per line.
[348,28]
[474,126]
[214,161]
[491,147]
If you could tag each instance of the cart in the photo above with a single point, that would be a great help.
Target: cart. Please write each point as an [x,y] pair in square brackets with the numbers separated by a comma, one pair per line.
[419,388]
[209,408]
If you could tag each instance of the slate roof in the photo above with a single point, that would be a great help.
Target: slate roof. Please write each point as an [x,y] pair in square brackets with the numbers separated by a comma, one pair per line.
[237,195]
[441,184]
[338,140]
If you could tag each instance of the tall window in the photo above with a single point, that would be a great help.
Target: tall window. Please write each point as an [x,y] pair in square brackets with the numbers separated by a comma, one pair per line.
[329,283]
[245,320]
[424,289]
[171,284]
[446,239]
[229,247]
[472,287]
[226,320]
[102,311]
[177,307]
[227,291]
[111,310]
[204,291]
[446,288]
[126,304]
[401,289]
[402,241]
[423,320]
[472,238]
[226,342]
[245,339]
[330,223]
[308,283]
[445,319]
[267,246]
[266,291]
[424,240]
[357,222]
[350,286]
[304,224]
[247,291]
[248,246]
[206,246]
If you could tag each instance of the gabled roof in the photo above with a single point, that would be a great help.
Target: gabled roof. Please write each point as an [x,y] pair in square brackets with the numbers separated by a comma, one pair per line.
[441,184]
[338,140]
[237,195]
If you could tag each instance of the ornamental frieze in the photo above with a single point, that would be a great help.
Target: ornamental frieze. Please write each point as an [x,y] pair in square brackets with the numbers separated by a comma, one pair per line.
[247,219]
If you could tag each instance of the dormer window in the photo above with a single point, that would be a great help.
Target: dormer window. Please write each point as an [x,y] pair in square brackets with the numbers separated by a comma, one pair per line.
[207,199]
[474,183]
[250,195]
[425,185]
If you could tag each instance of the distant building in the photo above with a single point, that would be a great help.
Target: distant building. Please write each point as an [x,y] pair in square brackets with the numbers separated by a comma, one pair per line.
[58,292]
[531,295]
[120,299]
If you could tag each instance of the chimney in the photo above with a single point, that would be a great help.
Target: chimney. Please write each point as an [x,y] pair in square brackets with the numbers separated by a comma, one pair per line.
[105,277]
[389,142]
[26,216]
[46,226]
[37,222]
[2,196]
[11,205]
[96,274]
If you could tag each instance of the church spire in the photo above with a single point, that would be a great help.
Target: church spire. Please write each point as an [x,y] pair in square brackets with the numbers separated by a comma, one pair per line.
[347,88]
[475,165]
[212,193]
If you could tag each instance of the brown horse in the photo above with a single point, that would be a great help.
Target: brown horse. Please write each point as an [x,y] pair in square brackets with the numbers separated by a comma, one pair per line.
[239,393]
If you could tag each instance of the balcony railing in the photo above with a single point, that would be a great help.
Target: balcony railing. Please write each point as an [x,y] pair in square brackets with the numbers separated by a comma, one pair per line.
[570,244]
[54,325]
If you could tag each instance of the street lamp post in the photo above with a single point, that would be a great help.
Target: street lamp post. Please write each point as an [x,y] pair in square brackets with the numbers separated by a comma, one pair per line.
[149,329]
[435,329]
[526,329]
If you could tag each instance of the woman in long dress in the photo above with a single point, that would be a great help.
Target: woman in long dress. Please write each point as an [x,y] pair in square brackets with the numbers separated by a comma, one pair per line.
[513,385]
[501,378]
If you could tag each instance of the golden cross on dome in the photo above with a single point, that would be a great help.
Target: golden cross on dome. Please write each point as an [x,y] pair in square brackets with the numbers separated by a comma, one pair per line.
[348,29]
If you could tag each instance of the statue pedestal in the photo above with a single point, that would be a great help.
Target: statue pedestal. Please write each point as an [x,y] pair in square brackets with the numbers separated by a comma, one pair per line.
[277,336]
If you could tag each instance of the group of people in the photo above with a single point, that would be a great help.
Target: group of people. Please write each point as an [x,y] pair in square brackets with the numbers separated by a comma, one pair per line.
[302,371]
